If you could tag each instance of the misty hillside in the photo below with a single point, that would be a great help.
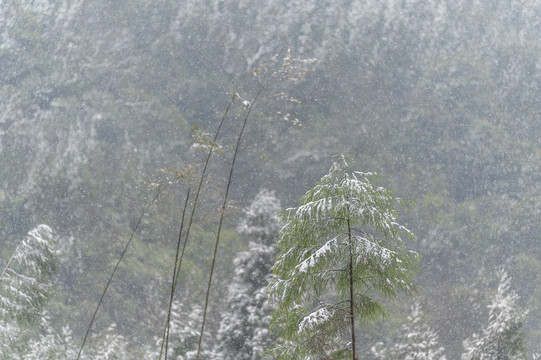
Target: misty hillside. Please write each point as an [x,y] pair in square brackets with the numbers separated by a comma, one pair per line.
[112,110]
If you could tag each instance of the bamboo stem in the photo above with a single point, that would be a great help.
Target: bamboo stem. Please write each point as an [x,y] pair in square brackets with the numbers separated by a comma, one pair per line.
[222,215]
[160,190]
[176,273]
[199,187]
[167,326]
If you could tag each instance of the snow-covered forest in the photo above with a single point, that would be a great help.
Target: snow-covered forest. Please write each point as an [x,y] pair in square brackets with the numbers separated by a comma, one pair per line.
[165,189]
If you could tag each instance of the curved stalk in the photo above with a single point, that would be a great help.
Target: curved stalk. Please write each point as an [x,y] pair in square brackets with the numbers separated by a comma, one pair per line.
[176,273]
[167,325]
[116,267]
[222,215]
[199,187]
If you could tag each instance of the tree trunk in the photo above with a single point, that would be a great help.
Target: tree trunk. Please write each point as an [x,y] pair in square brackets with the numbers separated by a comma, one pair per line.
[351,308]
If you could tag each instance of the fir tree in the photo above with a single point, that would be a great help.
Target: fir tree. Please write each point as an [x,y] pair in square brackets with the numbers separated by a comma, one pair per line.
[339,249]
[51,344]
[183,333]
[420,341]
[503,338]
[244,328]
[23,290]
[109,345]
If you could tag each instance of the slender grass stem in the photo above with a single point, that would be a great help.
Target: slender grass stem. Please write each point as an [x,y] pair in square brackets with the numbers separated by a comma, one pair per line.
[176,273]
[200,186]
[167,326]
[160,190]
[222,215]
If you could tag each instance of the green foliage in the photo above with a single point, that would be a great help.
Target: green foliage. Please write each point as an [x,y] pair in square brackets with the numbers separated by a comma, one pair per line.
[340,249]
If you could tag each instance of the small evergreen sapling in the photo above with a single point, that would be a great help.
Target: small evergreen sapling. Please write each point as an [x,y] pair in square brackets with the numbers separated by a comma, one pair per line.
[419,342]
[244,328]
[339,249]
[503,338]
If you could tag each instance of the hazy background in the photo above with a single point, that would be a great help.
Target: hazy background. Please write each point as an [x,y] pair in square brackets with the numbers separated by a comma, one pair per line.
[99,101]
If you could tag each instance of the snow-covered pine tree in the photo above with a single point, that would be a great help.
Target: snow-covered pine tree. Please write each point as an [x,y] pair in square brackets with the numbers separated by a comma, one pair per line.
[339,248]
[244,329]
[109,345]
[23,289]
[51,344]
[419,342]
[184,330]
[503,338]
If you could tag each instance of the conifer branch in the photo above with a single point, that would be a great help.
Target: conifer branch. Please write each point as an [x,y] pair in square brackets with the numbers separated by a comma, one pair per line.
[10,261]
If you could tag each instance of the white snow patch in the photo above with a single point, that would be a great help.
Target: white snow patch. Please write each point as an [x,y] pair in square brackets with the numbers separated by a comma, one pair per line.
[313,259]
[314,319]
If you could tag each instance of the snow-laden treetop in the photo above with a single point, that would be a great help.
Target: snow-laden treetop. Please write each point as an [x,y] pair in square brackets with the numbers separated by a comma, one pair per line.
[339,248]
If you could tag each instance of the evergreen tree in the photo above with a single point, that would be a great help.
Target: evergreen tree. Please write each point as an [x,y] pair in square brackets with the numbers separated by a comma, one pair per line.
[52,344]
[109,345]
[420,341]
[339,249]
[23,290]
[503,338]
[184,330]
[244,328]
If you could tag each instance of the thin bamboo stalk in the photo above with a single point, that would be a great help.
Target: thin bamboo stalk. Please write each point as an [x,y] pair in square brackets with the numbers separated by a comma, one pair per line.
[160,190]
[166,335]
[222,215]
[195,202]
